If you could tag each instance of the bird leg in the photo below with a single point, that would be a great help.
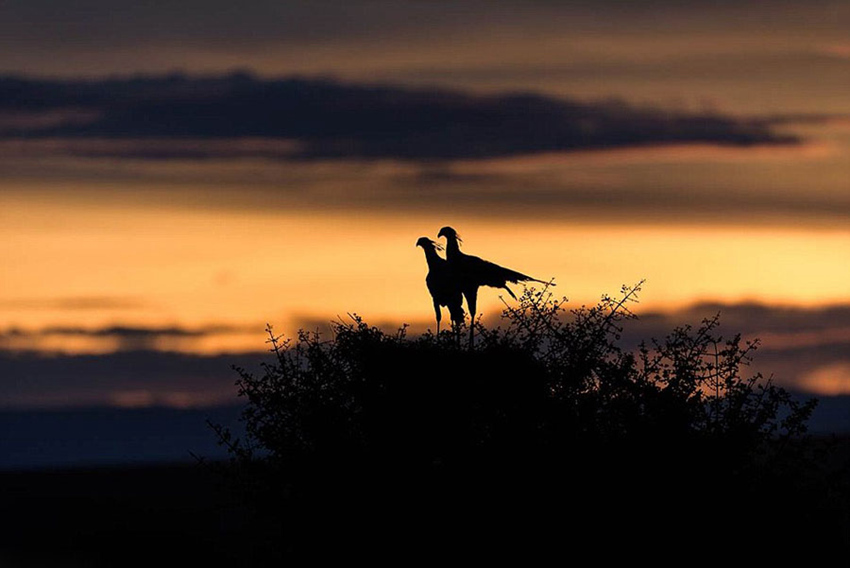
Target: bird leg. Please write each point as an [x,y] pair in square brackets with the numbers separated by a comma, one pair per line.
[471,301]
[439,315]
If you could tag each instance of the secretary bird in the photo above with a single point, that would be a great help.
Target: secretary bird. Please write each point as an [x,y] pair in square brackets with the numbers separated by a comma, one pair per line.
[472,272]
[441,283]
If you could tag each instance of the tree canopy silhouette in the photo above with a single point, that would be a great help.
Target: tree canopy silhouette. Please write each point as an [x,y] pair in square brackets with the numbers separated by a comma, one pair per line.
[373,431]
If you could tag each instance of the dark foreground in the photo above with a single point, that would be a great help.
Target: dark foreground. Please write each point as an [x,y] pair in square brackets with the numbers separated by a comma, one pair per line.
[166,515]
[117,517]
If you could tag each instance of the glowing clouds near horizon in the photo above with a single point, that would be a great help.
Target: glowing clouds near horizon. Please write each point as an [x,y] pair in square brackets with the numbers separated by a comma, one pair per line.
[828,380]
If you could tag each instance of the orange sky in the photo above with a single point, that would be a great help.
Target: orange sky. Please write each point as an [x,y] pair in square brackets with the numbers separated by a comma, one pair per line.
[194,267]
[245,242]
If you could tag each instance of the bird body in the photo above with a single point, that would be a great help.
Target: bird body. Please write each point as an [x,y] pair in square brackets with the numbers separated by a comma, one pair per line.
[441,283]
[472,272]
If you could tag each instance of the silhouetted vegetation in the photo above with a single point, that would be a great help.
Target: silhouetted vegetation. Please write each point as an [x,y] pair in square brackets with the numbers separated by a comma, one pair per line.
[546,433]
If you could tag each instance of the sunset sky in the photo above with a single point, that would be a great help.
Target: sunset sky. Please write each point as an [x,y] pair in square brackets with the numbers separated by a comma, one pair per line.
[175,177]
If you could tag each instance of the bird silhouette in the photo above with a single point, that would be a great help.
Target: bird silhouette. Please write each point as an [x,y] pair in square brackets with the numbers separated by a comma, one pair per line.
[441,283]
[472,272]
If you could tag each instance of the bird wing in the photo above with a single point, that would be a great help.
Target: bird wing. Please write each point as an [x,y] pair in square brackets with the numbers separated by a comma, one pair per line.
[443,285]
[491,274]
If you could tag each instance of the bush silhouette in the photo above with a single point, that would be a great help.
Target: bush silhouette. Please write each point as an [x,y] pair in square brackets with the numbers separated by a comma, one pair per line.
[370,436]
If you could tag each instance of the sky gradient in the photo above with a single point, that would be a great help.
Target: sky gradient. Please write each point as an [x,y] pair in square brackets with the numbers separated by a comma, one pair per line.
[176,177]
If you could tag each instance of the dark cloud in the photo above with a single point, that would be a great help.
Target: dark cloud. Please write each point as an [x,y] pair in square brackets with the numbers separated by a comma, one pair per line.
[798,346]
[657,198]
[120,338]
[76,303]
[786,335]
[121,22]
[800,349]
[125,378]
[328,119]
[756,318]
[130,331]
[91,22]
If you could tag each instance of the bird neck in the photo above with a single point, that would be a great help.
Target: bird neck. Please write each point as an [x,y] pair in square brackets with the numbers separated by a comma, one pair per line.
[432,257]
[452,248]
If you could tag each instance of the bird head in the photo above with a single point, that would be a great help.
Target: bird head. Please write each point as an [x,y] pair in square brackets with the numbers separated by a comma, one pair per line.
[427,243]
[449,233]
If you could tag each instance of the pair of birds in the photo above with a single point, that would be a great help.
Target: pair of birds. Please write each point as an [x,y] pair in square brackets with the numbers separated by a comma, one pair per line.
[460,275]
